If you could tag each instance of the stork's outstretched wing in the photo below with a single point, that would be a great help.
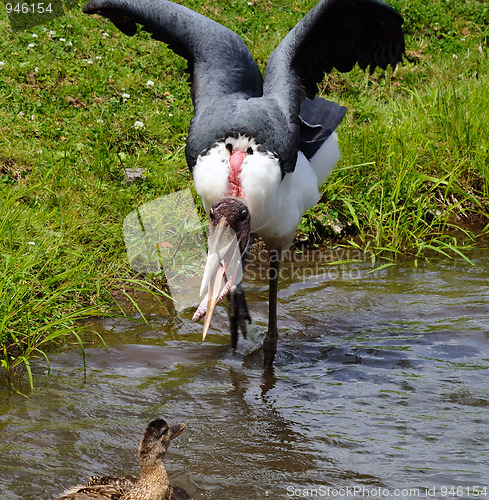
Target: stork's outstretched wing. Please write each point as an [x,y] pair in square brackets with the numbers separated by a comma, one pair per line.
[218,59]
[335,34]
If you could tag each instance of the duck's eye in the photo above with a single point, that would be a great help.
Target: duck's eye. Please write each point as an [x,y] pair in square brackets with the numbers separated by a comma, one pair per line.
[249,151]
[243,214]
[162,432]
[229,147]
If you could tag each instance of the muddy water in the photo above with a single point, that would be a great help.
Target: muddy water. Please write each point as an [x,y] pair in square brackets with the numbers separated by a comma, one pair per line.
[381,384]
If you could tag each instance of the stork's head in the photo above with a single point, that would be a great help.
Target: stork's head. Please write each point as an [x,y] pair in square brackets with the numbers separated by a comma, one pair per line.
[229,236]
[234,214]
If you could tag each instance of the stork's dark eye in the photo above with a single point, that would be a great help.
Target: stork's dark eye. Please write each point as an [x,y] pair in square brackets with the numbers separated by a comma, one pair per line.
[249,151]
[211,213]
[229,147]
[243,214]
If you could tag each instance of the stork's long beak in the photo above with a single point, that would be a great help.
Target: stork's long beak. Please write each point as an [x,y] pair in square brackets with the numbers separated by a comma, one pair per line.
[222,269]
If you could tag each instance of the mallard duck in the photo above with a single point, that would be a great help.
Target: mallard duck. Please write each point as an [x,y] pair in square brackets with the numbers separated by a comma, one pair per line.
[153,483]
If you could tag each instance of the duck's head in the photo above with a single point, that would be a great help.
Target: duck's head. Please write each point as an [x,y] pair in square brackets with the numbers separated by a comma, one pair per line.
[156,440]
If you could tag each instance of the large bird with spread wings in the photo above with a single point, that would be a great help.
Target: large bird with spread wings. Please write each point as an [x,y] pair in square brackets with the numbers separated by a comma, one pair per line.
[259,147]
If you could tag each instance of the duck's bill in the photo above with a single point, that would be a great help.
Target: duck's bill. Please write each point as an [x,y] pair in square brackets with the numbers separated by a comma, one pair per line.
[222,270]
[177,430]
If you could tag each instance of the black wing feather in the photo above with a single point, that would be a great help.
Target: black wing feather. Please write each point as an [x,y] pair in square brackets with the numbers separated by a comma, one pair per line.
[318,120]
[210,48]
[334,34]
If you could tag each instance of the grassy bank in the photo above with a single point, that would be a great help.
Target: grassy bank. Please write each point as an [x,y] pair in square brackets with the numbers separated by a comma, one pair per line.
[414,167]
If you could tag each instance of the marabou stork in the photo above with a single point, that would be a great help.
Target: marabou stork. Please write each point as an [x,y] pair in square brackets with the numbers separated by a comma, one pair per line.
[259,147]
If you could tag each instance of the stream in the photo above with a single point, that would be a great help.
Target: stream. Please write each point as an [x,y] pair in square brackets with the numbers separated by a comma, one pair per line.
[380,390]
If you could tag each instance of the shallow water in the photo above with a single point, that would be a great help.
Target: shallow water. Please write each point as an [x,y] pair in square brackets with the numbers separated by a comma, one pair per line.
[380,383]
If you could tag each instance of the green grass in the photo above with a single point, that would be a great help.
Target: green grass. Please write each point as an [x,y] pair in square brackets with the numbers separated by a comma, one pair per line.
[413,177]
[50,280]
[424,178]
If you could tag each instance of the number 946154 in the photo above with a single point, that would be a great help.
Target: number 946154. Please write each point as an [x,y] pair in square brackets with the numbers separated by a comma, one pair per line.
[28,8]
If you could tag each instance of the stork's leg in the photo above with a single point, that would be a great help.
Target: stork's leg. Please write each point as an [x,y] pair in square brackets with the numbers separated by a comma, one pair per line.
[238,313]
[270,342]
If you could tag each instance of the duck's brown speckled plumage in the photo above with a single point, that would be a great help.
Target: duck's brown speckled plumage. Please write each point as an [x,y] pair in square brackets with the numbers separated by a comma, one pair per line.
[153,483]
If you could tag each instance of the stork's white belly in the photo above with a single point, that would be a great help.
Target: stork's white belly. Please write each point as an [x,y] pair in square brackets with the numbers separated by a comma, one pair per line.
[296,194]
[276,206]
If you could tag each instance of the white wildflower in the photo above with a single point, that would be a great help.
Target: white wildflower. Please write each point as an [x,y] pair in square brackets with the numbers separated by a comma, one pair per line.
[98,58]
[32,243]
[31,46]
[36,70]
[69,44]
[52,33]
[89,61]
[454,56]
[125,97]
[150,84]
[336,226]
[34,35]
[105,35]
[138,124]
[62,40]
[100,121]
[170,114]
[2,64]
